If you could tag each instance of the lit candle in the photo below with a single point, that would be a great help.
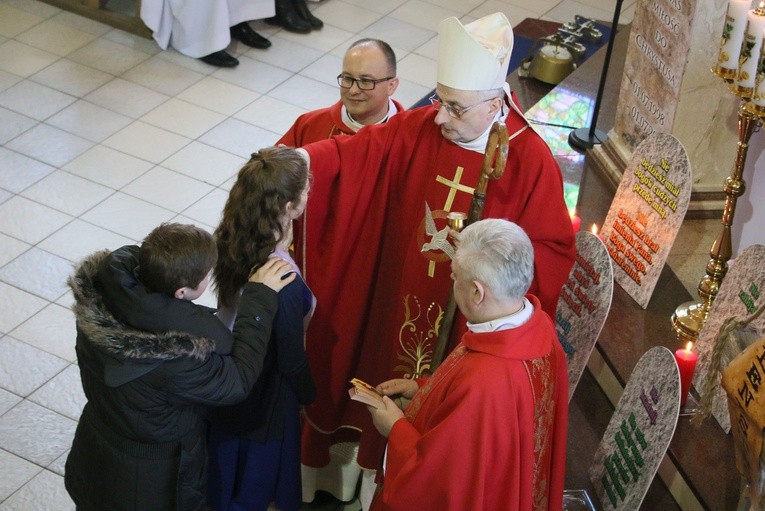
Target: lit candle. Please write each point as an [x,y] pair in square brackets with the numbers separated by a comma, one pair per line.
[732,37]
[594,230]
[576,222]
[686,362]
[750,51]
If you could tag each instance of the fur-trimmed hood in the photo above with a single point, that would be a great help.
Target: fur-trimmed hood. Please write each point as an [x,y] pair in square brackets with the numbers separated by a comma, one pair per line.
[116,339]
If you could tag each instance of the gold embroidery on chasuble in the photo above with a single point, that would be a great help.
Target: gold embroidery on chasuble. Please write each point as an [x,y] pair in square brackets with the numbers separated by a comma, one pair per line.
[416,337]
[430,222]
[542,379]
[419,330]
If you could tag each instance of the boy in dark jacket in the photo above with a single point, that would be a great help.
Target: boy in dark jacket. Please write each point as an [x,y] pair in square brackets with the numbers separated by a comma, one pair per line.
[152,362]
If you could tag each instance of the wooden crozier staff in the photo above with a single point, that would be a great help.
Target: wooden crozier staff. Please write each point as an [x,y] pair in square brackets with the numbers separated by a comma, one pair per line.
[493,167]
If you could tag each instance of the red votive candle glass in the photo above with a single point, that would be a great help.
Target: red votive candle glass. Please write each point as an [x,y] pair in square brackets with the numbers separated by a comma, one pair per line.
[686,362]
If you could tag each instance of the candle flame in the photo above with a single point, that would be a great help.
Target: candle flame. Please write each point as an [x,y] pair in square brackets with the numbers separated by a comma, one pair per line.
[689,346]
[594,229]
[762,4]
[572,211]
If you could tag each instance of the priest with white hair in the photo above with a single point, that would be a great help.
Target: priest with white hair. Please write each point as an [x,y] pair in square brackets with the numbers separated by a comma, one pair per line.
[379,269]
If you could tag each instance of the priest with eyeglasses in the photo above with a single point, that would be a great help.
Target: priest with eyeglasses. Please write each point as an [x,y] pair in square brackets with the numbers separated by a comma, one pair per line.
[381,285]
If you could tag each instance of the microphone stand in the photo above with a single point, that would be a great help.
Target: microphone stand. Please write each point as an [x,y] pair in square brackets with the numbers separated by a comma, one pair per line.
[582,139]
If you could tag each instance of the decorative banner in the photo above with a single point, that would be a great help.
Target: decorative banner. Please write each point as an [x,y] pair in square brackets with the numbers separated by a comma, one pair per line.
[638,433]
[584,304]
[646,213]
[740,295]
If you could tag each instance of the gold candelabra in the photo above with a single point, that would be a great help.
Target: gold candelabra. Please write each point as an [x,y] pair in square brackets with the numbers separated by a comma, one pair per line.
[689,317]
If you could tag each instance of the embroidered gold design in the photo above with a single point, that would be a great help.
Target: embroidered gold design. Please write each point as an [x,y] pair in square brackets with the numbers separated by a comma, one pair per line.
[417,342]
[455,186]
[542,380]
[438,239]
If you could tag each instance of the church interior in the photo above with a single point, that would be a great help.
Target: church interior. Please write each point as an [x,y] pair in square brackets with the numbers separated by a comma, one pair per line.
[103,136]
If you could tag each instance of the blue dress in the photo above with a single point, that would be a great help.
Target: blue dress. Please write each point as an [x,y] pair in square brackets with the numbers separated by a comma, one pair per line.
[254,447]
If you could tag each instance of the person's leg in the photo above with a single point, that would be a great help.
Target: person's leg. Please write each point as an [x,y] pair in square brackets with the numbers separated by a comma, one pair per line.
[304,12]
[288,18]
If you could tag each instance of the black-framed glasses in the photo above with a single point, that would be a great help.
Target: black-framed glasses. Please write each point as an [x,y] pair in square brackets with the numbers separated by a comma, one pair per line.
[346,82]
[454,112]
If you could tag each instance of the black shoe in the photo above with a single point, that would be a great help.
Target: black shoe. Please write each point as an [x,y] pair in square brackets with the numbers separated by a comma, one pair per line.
[243,32]
[304,12]
[288,18]
[220,59]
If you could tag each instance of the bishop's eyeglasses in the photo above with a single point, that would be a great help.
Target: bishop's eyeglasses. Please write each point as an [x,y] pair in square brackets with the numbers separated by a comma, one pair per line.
[453,111]
[346,82]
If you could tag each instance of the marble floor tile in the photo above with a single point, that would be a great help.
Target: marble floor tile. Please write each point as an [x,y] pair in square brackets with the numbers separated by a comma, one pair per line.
[18,172]
[205,163]
[7,401]
[286,54]
[50,145]
[418,69]
[15,21]
[183,118]
[351,18]
[35,433]
[146,141]
[16,354]
[35,7]
[208,209]
[17,307]
[16,473]
[325,70]
[126,98]
[381,6]
[78,239]
[409,93]
[13,124]
[52,330]
[38,272]
[108,167]
[108,56]
[63,393]
[134,41]
[325,40]
[34,100]
[10,248]
[66,192]
[29,221]
[163,76]
[429,49]
[239,138]
[515,13]
[58,466]
[82,23]
[45,491]
[218,96]
[167,189]
[565,12]
[22,59]
[7,79]
[271,114]
[55,37]
[306,93]
[398,34]
[253,75]
[462,7]
[127,216]
[89,121]
[423,14]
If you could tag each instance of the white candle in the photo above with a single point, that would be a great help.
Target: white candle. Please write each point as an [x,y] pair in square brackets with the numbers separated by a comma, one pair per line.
[758,98]
[750,50]
[732,37]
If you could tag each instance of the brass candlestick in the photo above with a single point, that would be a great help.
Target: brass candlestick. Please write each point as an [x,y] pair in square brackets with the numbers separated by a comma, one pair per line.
[690,317]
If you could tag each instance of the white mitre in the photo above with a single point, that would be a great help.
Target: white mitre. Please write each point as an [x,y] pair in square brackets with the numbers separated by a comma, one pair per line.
[474,56]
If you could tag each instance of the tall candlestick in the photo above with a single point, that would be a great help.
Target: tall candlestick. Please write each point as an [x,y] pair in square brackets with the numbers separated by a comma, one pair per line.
[686,362]
[758,98]
[750,51]
[732,37]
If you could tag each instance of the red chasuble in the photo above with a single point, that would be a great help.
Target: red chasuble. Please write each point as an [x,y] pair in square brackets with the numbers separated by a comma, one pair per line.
[487,430]
[320,125]
[374,250]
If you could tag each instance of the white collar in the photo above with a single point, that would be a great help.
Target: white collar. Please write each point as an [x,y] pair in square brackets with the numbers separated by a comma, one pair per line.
[513,320]
[356,125]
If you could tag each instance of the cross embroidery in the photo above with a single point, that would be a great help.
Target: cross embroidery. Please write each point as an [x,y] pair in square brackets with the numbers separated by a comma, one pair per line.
[454,187]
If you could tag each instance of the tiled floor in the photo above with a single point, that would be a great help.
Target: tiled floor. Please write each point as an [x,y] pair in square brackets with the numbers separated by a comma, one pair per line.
[103,136]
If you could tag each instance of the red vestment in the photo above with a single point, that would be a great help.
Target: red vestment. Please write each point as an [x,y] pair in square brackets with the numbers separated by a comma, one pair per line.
[319,125]
[487,430]
[366,251]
